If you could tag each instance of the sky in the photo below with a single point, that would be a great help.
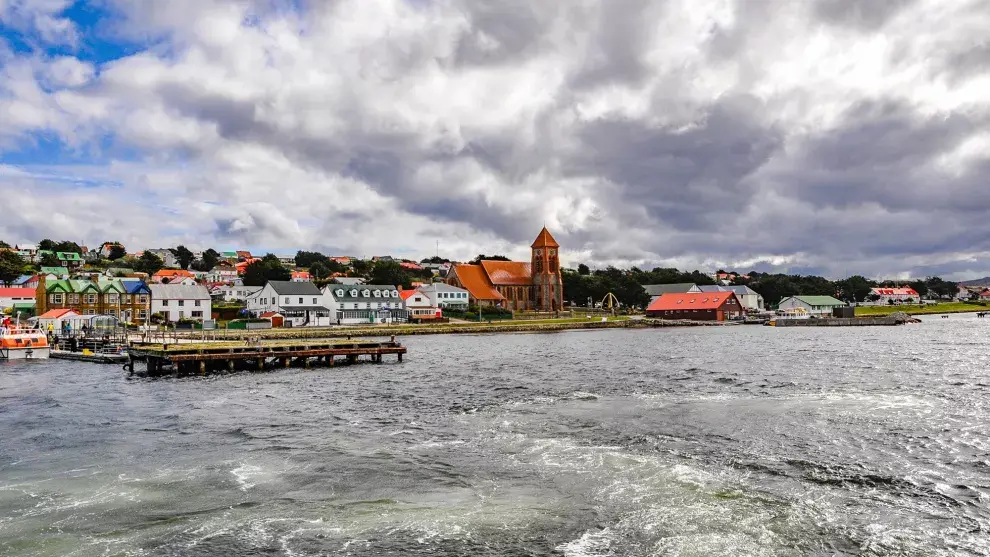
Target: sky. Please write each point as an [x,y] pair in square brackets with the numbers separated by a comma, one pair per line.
[834,137]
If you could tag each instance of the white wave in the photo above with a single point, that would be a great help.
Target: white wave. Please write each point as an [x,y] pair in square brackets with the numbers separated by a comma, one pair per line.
[590,544]
[245,473]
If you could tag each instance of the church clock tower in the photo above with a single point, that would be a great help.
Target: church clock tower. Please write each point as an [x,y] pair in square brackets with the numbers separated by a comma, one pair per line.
[548,291]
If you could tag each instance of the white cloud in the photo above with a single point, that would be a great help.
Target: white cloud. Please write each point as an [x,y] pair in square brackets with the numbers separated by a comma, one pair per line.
[700,133]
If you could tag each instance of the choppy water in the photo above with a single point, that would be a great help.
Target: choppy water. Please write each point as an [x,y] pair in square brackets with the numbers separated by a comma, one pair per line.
[713,441]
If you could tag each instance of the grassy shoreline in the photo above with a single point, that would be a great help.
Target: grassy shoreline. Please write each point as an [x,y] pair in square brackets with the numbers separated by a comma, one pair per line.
[913,309]
[548,325]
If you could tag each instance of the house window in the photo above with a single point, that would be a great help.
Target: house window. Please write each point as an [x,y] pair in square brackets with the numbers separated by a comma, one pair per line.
[127,298]
[111,298]
[56,298]
[164,303]
[287,300]
[197,314]
[314,301]
[367,306]
[111,312]
[300,301]
[355,306]
[143,314]
[142,299]
[90,298]
[89,312]
[73,298]
[196,303]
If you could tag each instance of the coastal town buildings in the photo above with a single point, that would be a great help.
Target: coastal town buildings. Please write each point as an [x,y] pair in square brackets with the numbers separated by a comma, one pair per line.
[9,297]
[181,301]
[419,305]
[516,285]
[166,255]
[127,300]
[812,305]
[365,303]
[443,295]
[696,306]
[657,290]
[229,293]
[300,303]
[886,296]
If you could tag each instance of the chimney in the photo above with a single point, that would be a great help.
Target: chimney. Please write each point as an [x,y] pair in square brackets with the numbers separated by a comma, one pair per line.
[41,295]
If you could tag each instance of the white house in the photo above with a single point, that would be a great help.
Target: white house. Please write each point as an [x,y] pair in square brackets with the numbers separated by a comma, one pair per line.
[234,293]
[365,303]
[750,299]
[445,296]
[963,293]
[419,305]
[11,296]
[895,295]
[813,305]
[301,276]
[181,301]
[222,273]
[301,303]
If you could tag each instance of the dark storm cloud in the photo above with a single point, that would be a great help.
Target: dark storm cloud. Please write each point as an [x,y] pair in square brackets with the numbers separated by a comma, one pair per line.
[885,153]
[684,178]
[866,15]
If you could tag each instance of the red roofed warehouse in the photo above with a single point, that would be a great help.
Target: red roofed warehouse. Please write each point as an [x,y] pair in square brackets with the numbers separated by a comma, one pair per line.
[895,295]
[696,306]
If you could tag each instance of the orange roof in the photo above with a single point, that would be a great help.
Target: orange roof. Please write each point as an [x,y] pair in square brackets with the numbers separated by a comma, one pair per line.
[508,273]
[406,294]
[690,300]
[474,279]
[300,274]
[172,273]
[545,240]
[17,292]
[56,313]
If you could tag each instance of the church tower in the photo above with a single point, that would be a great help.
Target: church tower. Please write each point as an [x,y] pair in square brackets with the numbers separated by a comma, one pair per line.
[548,291]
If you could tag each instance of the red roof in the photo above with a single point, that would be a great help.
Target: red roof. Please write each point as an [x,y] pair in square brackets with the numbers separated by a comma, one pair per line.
[300,274]
[56,313]
[474,279]
[17,292]
[268,314]
[545,240]
[172,273]
[690,300]
[508,273]
[409,265]
[406,294]
[895,291]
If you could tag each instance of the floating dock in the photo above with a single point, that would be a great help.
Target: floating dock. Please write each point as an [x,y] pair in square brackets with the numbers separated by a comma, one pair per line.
[207,357]
[839,322]
[89,357]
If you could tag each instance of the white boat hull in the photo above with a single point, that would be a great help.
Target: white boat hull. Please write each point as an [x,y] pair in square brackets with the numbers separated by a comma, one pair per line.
[39,353]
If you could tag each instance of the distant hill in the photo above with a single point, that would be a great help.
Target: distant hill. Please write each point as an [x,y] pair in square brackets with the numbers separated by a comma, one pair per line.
[985,281]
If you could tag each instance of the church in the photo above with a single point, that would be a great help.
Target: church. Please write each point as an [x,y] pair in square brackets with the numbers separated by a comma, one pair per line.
[516,285]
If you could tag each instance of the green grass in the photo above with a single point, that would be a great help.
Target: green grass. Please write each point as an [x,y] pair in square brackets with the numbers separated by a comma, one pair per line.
[914,309]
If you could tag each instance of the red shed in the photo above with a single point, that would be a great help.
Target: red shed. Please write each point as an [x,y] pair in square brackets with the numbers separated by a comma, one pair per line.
[276,318]
[696,306]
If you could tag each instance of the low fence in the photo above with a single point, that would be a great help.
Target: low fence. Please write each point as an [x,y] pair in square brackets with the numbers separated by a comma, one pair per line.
[531,315]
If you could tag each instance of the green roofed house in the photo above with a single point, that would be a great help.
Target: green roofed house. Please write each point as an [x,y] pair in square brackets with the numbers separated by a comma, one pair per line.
[67,259]
[57,272]
[813,305]
[127,300]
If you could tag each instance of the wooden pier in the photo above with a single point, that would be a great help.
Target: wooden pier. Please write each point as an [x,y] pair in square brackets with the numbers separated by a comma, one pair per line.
[219,357]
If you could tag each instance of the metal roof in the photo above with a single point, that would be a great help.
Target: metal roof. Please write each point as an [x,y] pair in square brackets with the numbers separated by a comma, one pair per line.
[178,292]
[288,288]
[661,289]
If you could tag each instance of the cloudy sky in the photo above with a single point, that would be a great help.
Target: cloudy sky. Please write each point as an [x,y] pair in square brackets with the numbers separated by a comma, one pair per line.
[833,136]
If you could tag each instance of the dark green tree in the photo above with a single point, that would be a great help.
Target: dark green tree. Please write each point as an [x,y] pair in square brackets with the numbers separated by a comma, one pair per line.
[318,270]
[268,268]
[148,263]
[583,270]
[183,255]
[941,288]
[308,258]
[361,267]
[854,289]
[435,259]
[483,257]
[921,287]
[390,273]
[49,260]
[207,261]
[117,251]
[4,245]
[12,266]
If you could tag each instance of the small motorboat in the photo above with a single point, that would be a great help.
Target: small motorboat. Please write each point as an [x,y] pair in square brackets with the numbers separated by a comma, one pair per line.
[22,343]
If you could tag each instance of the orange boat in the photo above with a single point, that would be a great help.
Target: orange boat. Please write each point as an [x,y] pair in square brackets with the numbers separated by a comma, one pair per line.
[22,343]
